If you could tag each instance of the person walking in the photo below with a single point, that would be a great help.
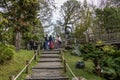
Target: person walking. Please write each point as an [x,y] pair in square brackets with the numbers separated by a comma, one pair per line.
[51,42]
[58,41]
[31,43]
[35,45]
[46,42]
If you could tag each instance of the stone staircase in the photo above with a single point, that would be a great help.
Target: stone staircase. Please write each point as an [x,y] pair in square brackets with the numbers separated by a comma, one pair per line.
[49,67]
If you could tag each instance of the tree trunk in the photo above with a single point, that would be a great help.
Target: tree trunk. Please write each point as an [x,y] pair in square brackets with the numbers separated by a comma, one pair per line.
[17,40]
[97,67]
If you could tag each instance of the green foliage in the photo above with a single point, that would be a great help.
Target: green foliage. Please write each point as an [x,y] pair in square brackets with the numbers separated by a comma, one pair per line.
[79,31]
[106,56]
[109,18]
[108,49]
[3,20]
[21,16]
[86,72]
[86,21]
[6,52]
[4,30]
[90,51]
[110,67]
[35,37]
[99,43]
[16,65]
[21,10]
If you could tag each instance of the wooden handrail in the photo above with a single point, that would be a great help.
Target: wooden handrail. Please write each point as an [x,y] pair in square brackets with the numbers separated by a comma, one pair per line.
[66,65]
[25,66]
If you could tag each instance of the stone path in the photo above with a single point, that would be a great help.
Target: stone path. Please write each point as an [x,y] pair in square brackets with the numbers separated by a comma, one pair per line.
[49,67]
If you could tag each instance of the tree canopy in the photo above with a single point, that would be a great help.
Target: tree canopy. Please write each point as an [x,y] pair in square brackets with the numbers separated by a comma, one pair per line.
[109,18]
[21,17]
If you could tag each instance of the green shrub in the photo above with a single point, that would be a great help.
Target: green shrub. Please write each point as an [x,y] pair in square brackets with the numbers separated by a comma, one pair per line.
[6,52]
[106,56]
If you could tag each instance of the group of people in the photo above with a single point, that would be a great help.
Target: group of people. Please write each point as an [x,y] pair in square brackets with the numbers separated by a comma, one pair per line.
[33,45]
[52,42]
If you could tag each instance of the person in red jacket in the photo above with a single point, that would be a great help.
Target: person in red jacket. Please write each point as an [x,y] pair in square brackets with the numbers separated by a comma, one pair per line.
[51,42]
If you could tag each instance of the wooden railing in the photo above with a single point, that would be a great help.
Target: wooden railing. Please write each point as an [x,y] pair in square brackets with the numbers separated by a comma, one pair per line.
[26,67]
[66,66]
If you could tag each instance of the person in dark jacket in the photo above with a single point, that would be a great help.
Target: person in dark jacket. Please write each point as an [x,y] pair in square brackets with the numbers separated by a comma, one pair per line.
[46,42]
[35,45]
[31,44]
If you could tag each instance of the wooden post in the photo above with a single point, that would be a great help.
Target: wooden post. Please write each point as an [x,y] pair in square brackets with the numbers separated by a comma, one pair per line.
[11,77]
[34,51]
[65,70]
[40,46]
[62,56]
[35,58]
[27,68]
[38,52]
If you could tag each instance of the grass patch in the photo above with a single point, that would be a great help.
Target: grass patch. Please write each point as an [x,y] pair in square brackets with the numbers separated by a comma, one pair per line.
[16,65]
[86,72]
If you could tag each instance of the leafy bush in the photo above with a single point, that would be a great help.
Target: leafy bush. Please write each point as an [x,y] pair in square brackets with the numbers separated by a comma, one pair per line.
[35,37]
[108,49]
[111,66]
[106,59]
[6,52]
[93,53]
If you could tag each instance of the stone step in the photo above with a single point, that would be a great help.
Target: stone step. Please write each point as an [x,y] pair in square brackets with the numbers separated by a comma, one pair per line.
[51,52]
[48,65]
[46,74]
[50,60]
[56,49]
[50,56]
[49,78]
[55,67]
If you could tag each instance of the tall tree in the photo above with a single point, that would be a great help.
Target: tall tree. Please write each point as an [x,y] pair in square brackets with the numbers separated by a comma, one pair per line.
[70,12]
[45,13]
[22,13]
[23,16]
[86,20]
[108,19]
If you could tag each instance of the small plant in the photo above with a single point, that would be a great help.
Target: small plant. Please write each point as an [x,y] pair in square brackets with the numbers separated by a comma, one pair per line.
[99,43]
[6,52]
[108,49]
